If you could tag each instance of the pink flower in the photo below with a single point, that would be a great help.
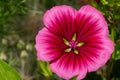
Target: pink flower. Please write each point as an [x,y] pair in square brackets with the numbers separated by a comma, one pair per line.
[74,42]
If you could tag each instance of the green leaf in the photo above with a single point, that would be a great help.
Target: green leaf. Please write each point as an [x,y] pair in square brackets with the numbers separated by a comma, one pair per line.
[111,3]
[7,72]
[118,4]
[46,71]
[117,57]
[117,16]
[117,52]
[104,2]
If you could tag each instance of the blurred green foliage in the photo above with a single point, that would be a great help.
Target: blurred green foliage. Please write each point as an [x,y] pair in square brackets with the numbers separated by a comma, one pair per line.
[20,21]
[9,11]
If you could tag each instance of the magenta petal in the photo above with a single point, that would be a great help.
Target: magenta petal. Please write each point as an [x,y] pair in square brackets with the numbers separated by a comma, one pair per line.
[48,45]
[59,20]
[68,66]
[97,52]
[90,21]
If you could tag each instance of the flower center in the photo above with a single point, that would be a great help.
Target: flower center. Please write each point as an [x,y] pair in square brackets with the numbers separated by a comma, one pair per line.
[73,44]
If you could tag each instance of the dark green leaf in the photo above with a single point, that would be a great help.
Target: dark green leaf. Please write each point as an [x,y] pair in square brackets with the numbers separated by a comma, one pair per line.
[74,78]
[117,16]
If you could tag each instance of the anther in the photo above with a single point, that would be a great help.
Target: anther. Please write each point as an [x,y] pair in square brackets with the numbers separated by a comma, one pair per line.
[80,44]
[74,37]
[68,50]
[66,42]
[76,52]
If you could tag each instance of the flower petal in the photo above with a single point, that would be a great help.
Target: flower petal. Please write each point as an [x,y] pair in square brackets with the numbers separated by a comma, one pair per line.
[90,21]
[48,45]
[68,66]
[97,52]
[59,20]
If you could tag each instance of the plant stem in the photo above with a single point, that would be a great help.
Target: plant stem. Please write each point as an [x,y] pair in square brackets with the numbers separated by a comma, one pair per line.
[22,68]
[110,63]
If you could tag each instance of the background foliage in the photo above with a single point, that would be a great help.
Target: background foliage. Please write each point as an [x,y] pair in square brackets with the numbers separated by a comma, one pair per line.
[20,20]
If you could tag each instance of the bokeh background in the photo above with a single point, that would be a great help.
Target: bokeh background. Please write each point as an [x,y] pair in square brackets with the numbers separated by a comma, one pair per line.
[20,20]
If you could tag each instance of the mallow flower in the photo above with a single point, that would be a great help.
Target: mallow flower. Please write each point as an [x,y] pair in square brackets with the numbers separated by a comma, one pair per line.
[74,42]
